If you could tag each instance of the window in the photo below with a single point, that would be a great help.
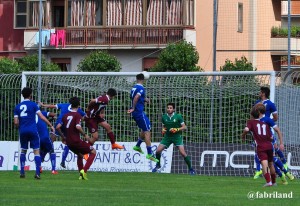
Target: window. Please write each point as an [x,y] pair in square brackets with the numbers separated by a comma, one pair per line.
[240,17]
[148,63]
[34,10]
[85,12]
[63,63]
[189,8]
[20,13]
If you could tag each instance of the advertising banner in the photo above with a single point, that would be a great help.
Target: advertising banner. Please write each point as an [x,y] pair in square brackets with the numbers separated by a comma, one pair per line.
[106,160]
[228,159]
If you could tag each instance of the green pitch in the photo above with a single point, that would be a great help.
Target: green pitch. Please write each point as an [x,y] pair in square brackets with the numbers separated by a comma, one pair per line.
[137,189]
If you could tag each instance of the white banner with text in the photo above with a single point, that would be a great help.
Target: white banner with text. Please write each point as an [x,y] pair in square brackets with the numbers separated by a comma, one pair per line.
[106,160]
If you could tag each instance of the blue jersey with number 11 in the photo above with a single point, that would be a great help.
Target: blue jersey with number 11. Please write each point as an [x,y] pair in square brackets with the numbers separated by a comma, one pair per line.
[138,89]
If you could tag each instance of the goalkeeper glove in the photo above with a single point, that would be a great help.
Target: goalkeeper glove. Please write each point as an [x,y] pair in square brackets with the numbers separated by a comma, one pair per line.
[174,130]
[163,131]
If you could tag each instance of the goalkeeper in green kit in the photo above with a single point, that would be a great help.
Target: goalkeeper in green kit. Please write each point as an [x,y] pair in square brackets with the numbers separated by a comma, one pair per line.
[173,125]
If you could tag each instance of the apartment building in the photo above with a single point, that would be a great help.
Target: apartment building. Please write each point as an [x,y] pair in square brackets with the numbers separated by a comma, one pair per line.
[134,31]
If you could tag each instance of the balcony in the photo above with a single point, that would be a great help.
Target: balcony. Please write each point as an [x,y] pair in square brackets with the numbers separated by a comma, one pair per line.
[279,46]
[295,8]
[116,38]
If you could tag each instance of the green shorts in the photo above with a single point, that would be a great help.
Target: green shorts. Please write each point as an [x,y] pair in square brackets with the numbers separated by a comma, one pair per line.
[167,141]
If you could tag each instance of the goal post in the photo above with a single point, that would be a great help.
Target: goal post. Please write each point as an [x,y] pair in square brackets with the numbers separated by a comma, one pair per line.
[214,105]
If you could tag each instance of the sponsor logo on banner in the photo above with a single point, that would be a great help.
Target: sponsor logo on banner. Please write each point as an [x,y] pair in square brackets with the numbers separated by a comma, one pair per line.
[227,159]
[1,160]
[106,160]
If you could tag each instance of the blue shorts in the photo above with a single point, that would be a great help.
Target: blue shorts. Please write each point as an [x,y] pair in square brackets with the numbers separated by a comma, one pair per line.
[46,144]
[142,121]
[31,137]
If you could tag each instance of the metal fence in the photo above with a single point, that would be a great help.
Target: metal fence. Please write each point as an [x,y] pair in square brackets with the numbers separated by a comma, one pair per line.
[287,98]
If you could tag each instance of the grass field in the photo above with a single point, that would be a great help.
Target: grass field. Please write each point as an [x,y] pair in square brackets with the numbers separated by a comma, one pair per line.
[137,189]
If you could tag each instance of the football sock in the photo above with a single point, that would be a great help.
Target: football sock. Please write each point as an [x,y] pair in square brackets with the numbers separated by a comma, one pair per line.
[89,162]
[149,150]
[111,137]
[257,163]
[22,162]
[79,163]
[53,160]
[37,159]
[280,154]
[277,170]
[267,177]
[65,154]
[279,164]
[42,154]
[187,160]
[139,142]
[158,155]
[273,177]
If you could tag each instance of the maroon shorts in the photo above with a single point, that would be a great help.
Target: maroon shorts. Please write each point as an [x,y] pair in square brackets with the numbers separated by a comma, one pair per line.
[80,147]
[266,155]
[92,123]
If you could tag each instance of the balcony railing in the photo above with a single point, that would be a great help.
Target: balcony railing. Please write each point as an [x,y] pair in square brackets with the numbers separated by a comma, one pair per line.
[122,36]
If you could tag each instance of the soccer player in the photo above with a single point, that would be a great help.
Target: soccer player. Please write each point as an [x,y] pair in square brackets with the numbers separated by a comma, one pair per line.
[138,99]
[173,125]
[46,144]
[95,116]
[72,126]
[24,119]
[263,138]
[270,110]
[277,163]
[64,108]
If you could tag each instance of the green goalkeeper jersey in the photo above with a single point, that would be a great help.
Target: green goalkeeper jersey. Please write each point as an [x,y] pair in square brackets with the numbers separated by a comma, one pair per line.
[173,121]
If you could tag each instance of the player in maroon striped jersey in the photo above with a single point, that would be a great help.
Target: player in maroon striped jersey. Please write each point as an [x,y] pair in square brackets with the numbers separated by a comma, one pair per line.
[263,139]
[72,130]
[95,116]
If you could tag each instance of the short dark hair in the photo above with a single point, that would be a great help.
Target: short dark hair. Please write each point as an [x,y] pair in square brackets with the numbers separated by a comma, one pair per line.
[266,91]
[140,76]
[260,108]
[171,104]
[26,92]
[74,101]
[111,92]
[254,113]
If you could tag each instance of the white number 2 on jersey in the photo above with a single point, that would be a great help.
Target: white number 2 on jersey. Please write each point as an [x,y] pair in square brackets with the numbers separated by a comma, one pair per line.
[259,126]
[24,110]
[69,118]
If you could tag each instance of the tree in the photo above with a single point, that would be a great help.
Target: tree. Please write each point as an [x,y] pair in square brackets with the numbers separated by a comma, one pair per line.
[30,63]
[239,65]
[178,57]
[99,61]
[8,66]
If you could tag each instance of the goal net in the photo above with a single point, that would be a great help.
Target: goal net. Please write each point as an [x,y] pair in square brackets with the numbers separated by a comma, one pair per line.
[215,107]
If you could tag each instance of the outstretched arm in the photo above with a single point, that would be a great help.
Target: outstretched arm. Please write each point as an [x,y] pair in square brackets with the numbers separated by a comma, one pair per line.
[46,120]
[53,106]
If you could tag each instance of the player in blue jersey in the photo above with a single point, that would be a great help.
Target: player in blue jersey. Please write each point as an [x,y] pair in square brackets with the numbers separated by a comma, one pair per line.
[271,110]
[138,99]
[46,144]
[64,109]
[278,165]
[25,119]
